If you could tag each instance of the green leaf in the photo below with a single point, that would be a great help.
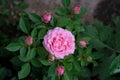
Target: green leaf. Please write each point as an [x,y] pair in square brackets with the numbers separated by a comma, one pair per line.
[53,21]
[86,39]
[31,54]
[3,73]
[2,2]
[66,77]
[23,58]
[97,43]
[117,23]
[96,55]
[45,62]
[88,51]
[117,41]
[91,31]
[23,54]
[39,26]
[66,3]
[76,66]
[105,33]
[42,52]
[37,42]
[25,71]
[69,58]
[103,68]
[34,33]
[45,78]
[23,51]
[34,17]
[115,65]
[13,47]
[53,77]
[21,40]
[35,62]
[78,21]
[85,72]
[79,29]
[24,26]
[84,62]
[75,78]
[51,70]
[60,11]
[80,51]
[68,66]
[69,27]
[42,33]
[16,62]
[63,21]
[93,34]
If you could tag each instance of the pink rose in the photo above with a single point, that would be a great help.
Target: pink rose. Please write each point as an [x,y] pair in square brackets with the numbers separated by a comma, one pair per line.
[83,43]
[29,40]
[59,42]
[77,10]
[60,70]
[46,17]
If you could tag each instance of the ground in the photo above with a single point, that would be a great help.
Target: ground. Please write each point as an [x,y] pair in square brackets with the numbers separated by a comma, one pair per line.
[42,6]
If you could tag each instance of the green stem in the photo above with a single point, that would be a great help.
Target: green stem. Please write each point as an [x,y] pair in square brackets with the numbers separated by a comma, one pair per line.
[110,48]
[59,78]
[28,53]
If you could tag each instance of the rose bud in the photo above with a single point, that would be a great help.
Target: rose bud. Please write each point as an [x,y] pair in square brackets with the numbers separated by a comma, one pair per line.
[51,58]
[83,43]
[46,17]
[76,9]
[60,70]
[29,40]
[89,59]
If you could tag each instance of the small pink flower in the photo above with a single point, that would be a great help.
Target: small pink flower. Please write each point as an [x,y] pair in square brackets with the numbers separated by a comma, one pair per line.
[46,17]
[29,40]
[77,10]
[83,43]
[60,70]
[59,42]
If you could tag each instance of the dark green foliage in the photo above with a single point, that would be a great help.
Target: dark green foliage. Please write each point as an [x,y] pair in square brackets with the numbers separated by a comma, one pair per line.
[100,60]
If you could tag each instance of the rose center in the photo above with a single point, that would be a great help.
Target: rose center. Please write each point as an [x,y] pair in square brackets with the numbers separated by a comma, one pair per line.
[59,44]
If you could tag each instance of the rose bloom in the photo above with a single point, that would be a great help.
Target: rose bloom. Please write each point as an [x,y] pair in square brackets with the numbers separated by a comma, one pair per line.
[83,43]
[29,40]
[46,17]
[77,10]
[60,70]
[59,42]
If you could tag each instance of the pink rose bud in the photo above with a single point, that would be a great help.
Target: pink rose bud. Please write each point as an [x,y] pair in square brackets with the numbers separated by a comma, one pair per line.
[52,58]
[60,70]
[29,40]
[77,10]
[46,17]
[83,43]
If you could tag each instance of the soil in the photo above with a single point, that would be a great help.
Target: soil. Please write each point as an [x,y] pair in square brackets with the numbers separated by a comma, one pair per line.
[42,6]
[106,10]
[97,9]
